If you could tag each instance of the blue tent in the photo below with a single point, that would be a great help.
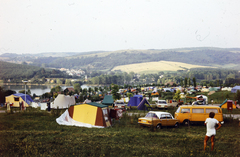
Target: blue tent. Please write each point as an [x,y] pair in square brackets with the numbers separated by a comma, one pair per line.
[142,105]
[135,100]
[235,89]
[28,98]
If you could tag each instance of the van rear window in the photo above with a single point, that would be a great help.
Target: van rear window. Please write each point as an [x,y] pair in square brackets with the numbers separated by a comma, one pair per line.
[211,110]
[197,110]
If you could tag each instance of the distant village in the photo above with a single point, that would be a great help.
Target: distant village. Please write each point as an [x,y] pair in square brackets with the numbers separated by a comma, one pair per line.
[73,72]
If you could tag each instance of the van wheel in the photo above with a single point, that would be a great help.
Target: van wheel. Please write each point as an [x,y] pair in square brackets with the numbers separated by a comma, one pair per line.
[159,126]
[186,122]
[176,125]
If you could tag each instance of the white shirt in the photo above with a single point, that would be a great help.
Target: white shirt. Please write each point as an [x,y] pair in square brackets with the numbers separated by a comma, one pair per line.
[211,123]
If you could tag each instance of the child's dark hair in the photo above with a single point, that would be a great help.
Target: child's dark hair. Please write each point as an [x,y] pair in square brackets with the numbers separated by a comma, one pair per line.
[211,114]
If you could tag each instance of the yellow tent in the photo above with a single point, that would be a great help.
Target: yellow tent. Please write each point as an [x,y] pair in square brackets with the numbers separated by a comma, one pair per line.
[15,100]
[86,115]
[225,104]
[155,94]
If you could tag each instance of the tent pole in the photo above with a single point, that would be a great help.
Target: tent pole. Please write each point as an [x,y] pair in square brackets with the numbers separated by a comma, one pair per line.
[25,82]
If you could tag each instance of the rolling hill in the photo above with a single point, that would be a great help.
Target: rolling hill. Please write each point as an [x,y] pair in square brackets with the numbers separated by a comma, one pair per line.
[103,60]
[154,67]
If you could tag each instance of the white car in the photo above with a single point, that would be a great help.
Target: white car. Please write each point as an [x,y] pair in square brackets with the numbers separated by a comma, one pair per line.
[161,104]
[120,104]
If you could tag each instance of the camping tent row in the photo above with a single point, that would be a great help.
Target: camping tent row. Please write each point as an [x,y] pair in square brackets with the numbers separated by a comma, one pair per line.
[16,99]
[63,101]
[86,115]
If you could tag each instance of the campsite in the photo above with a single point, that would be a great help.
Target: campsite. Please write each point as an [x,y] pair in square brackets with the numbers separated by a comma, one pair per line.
[130,78]
[36,133]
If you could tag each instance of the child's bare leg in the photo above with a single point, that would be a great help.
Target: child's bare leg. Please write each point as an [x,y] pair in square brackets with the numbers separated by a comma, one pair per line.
[205,142]
[212,142]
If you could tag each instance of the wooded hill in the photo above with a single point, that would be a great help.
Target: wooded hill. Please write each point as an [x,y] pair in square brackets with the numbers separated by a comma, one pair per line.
[217,57]
[18,72]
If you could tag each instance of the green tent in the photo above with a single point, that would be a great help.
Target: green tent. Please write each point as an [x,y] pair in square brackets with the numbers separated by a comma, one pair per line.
[108,100]
[213,89]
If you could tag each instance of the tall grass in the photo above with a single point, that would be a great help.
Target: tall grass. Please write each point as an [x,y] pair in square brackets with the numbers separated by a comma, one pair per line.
[36,133]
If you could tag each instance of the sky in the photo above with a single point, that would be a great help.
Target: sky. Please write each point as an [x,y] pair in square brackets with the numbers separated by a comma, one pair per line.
[37,26]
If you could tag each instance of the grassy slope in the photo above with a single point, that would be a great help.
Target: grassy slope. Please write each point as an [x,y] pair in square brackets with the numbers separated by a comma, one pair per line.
[156,67]
[38,134]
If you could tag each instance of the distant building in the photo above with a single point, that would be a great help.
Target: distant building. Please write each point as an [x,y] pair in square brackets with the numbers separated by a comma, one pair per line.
[170,83]
[70,89]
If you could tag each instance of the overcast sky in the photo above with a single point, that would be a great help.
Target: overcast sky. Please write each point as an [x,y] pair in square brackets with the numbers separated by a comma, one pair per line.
[36,26]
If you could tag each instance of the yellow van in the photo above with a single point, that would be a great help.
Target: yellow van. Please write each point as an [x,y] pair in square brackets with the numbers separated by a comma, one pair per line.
[188,114]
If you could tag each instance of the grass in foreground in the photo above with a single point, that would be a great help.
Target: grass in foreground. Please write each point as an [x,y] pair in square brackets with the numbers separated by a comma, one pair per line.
[38,134]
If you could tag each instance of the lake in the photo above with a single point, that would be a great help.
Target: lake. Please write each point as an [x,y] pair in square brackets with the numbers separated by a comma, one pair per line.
[37,89]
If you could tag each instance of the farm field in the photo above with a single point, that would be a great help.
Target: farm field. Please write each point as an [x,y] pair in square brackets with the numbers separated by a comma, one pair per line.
[36,133]
[156,67]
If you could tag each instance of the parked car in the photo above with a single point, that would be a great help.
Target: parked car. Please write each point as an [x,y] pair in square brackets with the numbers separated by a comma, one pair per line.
[188,114]
[120,104]
[161,104]
[158,119]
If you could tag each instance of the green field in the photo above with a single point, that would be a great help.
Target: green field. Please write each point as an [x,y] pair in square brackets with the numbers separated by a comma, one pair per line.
[36,133]
[155,67]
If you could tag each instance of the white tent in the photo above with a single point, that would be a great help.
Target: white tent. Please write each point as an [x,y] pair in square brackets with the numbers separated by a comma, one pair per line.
[63,101]
[43,106]
[227,89]
[35,105]
[87,101]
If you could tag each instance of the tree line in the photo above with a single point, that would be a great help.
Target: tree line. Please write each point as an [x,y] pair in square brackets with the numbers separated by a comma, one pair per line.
[204,77]
[17,72]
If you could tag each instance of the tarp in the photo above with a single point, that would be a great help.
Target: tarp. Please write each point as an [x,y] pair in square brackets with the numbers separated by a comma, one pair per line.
[204,97]
[43,106]
[35,105]
[235,89]
[108,100]
[15,99]
[86,115]
[63,101]
[125,99]
[168,89]
[227,89]
[205,90]
[135,100]
[87,101]
[214,89]
[142,105]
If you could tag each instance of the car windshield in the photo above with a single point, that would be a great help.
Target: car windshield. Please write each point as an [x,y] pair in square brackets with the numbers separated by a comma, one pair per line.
[151,115]
[119,102]
[178,110]
[163,102]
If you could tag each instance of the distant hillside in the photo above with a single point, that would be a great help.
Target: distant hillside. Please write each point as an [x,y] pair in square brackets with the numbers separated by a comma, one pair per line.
[204,56]
[21,71]
[155,67]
